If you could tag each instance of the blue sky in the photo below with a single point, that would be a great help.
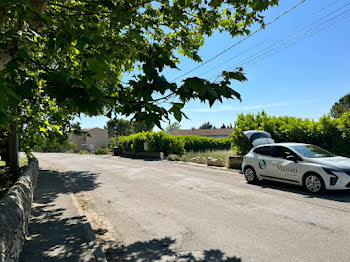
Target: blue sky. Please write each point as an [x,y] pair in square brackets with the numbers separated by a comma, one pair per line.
[303,73]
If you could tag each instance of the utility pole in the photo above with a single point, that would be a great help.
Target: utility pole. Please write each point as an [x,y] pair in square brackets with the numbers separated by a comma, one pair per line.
[115,133]
[116,149]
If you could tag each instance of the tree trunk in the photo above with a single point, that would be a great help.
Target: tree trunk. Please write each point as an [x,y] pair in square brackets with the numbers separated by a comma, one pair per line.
[13,149]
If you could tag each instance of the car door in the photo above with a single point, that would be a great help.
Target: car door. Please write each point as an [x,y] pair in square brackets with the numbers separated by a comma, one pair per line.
[282,169]
[263,160]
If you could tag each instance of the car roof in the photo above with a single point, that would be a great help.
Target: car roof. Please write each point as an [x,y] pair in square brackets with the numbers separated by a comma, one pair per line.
[283,144]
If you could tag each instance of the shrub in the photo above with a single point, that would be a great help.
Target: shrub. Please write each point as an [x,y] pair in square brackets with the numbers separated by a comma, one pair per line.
[156,142]
[111,143]
[331,134]
[200,144]
[82,152]
[101,151]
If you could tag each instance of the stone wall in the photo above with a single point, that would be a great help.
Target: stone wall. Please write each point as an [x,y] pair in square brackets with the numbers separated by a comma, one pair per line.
[15,210]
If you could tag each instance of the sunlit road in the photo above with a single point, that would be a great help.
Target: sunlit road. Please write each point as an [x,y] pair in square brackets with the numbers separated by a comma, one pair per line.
[160,210]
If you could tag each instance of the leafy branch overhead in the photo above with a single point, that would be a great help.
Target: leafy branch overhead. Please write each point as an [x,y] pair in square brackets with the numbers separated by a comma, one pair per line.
[74,54]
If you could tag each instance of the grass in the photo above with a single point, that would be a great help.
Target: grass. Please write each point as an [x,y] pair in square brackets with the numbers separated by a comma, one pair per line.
[22,162]
[214,154]
[6,178]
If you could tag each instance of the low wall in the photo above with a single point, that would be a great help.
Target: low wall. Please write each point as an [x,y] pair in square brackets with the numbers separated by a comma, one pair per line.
[152,155]
[234,162]
[15,210]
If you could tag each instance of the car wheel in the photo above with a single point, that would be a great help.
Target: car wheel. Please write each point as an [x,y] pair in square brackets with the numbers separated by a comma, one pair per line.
[314,183]
[250,175]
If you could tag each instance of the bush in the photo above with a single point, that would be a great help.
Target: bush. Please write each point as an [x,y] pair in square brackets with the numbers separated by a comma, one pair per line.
[111,143]
[201,144]
[169,144]
[82,152]
[156,142]
[331,134]
[101,151]
[55,145]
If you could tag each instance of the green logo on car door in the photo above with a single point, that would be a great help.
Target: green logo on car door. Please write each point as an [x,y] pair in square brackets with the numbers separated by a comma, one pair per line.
[262,164]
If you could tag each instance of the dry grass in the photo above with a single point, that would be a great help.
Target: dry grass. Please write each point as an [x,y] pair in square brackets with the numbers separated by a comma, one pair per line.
[215,154]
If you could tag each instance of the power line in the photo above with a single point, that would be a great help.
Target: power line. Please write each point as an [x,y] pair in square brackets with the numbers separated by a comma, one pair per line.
[308,33]
[282,44]
[255,46]
[262,55]
[248,36]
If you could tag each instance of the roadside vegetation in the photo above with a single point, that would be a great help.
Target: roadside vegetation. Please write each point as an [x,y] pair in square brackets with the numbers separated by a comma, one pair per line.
[170,144]
[332,134]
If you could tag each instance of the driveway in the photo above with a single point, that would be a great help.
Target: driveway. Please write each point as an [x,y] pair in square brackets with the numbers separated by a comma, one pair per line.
[159,210]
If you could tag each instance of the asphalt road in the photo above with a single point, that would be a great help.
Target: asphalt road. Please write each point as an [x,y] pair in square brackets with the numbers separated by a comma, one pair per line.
[160,210]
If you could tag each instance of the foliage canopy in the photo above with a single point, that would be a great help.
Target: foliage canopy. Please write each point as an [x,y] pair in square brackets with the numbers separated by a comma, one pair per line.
[340,107]
[63,58]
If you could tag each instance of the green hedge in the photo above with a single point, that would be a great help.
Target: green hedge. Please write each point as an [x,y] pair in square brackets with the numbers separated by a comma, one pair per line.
[331,134]
[200,143]
[157,142]
[101,151]
[170,144]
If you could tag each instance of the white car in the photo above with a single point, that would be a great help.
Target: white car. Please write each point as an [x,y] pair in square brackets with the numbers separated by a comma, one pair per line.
[300,164]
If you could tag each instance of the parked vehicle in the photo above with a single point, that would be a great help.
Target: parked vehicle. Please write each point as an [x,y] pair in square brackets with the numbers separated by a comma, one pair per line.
[295,163]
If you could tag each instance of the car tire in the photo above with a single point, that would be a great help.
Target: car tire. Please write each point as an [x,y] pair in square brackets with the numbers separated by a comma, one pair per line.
[250,175]
[314,183]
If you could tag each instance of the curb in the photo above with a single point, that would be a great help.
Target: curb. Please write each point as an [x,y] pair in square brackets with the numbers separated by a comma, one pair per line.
[235,171]
[96,249]
[93,243]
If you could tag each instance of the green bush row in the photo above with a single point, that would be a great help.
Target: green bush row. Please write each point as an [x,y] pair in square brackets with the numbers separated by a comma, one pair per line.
[328,133]
[101,151]
[156,142]
[200,143]
[169,144]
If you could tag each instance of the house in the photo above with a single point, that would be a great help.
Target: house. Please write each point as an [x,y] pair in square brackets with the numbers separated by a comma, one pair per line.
[97,137]
[214,133]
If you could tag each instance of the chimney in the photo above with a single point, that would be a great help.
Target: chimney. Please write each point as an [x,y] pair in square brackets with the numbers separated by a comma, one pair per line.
[193,130]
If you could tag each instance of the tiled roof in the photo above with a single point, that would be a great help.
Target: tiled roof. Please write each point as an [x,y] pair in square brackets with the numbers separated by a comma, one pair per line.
[202,132]
[90,128]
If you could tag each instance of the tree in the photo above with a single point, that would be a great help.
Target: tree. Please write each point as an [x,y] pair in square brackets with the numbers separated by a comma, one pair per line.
[223,126]
[340,107]
[207,125]
[172,126]
[142,126]
[71,56]
[126,127]
[3,146]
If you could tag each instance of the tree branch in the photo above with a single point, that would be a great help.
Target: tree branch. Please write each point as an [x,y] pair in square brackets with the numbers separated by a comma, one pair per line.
[38,7]
[3,17]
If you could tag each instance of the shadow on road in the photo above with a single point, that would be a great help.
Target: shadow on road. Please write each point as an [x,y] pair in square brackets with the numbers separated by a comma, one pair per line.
[73,182]
[340,196]
[56,230]
[133,157]
[157,249]
[53,238]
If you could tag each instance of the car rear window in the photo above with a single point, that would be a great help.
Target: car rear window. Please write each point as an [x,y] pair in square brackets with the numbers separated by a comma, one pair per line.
[259,135]
[264,150]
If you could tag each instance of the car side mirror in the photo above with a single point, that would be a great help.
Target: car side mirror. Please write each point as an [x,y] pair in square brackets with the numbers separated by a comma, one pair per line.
[292,158]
